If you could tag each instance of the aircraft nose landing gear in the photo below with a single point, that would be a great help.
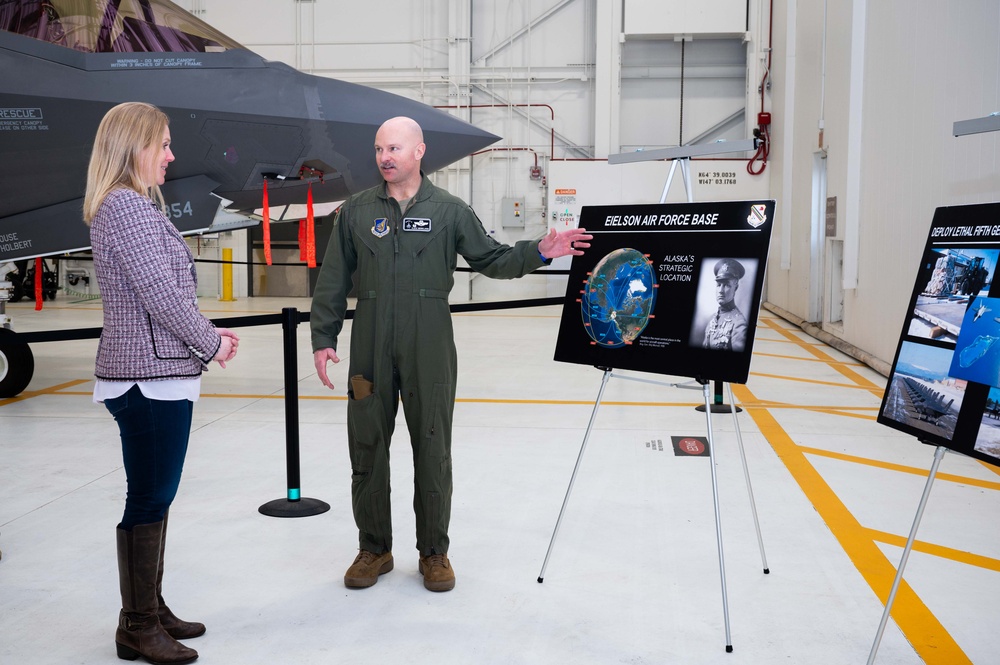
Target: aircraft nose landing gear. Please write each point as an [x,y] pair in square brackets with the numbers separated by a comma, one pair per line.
[17,364]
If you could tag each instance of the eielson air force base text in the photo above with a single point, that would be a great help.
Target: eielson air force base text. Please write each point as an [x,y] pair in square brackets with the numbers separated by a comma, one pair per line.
[688,219]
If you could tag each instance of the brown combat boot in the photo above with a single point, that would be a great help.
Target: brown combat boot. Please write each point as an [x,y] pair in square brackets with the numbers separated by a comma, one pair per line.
[366,568]
[176,628]
[139,631]
[438,573]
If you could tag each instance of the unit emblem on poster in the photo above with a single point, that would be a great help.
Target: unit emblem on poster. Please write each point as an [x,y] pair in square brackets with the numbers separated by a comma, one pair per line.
[758,215]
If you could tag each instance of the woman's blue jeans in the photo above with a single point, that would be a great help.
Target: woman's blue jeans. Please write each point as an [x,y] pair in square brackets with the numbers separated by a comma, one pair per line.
[154,437]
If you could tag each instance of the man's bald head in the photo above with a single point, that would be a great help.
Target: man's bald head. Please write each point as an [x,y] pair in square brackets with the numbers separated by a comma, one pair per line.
[399,147]
[403,125]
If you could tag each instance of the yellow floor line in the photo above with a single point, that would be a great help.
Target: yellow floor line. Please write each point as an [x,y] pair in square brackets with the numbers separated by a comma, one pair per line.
[767,404]
[51,390]
[950,477]
[919,625]
[835,411]
[816,382]
[992,467]
[791,340]
[809,360]
[819,353]
[969,558]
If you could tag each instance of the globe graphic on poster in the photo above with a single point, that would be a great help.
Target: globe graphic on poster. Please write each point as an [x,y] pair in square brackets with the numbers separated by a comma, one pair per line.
[618,298]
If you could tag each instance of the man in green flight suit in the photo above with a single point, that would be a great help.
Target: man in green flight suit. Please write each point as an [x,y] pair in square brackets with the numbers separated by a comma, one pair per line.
[403,239]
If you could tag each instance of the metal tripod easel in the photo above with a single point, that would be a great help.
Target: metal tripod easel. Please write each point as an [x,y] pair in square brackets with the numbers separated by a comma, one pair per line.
[938,456]
[681,161]
[707,393]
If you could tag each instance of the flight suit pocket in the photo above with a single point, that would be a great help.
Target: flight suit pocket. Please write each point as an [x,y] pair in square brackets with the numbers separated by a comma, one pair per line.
[360,387]
[368,442]
[366,424]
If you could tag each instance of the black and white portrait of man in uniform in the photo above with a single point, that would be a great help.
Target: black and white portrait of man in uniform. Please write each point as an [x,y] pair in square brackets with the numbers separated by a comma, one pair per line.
[725,293]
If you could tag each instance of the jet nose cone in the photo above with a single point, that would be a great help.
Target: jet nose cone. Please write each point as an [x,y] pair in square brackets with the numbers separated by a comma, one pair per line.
[449,139]
[351,128]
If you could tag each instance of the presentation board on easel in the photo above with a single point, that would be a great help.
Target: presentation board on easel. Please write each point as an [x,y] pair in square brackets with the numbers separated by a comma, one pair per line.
[944,387]
[668,288]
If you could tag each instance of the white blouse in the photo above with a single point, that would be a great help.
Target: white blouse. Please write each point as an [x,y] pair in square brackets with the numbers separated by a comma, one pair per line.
[170,390]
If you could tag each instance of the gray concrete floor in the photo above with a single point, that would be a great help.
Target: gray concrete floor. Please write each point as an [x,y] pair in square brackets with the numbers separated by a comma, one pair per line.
[634,574]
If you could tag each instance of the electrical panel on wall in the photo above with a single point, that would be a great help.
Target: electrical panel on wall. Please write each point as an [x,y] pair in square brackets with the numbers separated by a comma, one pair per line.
[512,212]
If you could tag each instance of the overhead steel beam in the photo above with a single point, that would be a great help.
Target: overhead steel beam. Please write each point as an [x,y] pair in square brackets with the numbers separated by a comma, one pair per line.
[680,152]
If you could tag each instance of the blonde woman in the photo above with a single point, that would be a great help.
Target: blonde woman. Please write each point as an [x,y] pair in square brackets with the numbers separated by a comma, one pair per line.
[153,348]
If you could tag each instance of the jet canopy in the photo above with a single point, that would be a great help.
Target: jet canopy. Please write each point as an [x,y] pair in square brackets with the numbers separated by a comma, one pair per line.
[113,26]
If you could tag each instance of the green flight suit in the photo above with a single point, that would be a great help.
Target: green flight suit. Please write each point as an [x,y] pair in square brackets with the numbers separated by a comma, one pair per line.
[402,340]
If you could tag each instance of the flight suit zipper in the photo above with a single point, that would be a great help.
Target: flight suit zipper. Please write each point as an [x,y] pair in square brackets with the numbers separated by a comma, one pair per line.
[395,267]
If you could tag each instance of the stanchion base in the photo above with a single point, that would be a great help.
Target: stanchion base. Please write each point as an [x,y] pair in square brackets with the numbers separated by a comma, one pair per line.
[718,408]
[288,508]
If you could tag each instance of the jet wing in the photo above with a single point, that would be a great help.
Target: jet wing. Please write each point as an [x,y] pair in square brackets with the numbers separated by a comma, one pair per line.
[235,119]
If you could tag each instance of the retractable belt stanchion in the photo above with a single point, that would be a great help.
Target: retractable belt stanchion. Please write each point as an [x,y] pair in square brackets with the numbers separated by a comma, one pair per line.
[294,505]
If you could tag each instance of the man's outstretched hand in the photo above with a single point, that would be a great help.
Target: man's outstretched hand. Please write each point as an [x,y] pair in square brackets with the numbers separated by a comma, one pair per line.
[570,242]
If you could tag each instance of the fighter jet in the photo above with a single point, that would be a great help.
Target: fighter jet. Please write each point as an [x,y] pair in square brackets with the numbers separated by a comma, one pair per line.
[982,309]
[236,119]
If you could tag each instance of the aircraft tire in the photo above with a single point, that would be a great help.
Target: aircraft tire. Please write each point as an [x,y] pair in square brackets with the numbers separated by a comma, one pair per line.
[17,364]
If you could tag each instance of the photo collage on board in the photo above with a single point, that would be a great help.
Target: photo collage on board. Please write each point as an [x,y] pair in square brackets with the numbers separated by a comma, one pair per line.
[944,387]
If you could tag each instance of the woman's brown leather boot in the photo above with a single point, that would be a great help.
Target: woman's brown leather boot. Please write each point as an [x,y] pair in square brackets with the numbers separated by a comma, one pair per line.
[176,628]
[139,631]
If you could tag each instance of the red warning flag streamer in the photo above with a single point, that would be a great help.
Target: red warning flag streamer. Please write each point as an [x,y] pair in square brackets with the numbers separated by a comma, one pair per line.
[310,230]
[38,284]
[267,227]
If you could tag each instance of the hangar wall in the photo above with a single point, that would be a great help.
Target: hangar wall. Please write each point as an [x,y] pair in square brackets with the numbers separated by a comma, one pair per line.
[529,72]
[575,80]
[898,74]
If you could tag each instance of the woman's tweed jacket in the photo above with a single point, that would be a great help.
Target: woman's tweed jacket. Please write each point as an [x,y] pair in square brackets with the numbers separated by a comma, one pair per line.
[152,327]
